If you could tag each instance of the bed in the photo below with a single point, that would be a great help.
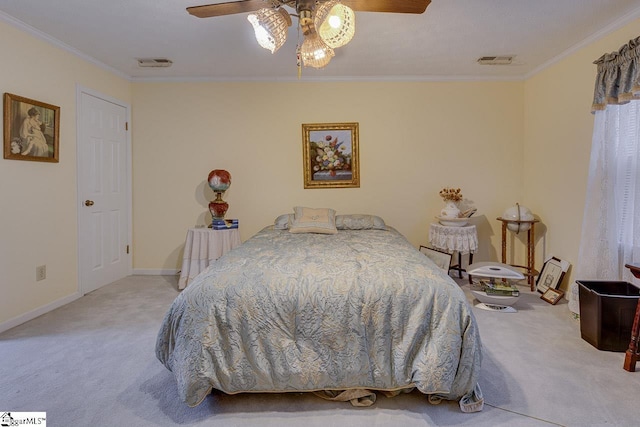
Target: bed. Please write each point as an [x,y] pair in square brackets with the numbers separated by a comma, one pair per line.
[344,314]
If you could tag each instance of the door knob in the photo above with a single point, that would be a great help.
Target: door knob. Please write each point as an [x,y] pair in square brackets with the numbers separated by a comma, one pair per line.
[88,202]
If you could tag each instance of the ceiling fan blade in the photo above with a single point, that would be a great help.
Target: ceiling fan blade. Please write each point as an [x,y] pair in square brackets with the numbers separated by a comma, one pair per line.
[228,8]
[396,6]
[242,6]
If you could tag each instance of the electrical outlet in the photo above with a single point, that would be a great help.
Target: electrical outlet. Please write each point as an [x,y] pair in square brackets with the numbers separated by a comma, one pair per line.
[41,272]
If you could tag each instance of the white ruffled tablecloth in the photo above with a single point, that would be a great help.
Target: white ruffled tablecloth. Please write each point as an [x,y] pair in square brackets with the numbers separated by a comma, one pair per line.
[464,240]
[203,246]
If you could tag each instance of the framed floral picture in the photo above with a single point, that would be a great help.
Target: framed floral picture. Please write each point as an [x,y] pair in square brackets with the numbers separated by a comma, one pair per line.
[31,129]
[330,155]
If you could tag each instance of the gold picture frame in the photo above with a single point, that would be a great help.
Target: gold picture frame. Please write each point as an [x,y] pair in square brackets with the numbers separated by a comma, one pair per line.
[331,155]
[31,130]
[552,296]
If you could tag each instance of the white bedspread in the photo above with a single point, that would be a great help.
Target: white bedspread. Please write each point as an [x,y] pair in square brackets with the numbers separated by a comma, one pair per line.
[358,310]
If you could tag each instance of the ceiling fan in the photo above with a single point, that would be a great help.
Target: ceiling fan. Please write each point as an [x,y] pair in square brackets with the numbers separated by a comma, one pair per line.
[325,24]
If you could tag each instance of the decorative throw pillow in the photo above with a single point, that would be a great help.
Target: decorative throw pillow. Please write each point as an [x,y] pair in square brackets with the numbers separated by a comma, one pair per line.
[283,222]
[310,220]
[360,222]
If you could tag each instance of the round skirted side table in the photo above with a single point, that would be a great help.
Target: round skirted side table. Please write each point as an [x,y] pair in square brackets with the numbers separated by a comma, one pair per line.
[463,240]
[202,247]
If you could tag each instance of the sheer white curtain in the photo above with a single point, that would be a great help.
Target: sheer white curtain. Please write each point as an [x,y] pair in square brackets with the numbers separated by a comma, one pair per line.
[611,222]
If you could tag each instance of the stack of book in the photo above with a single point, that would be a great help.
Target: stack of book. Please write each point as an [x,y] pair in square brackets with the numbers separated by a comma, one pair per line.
[224,224]
[500,288]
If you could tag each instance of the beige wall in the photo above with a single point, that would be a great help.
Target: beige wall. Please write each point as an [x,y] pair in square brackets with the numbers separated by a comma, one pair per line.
[38,213]
[501,142]
[415,138]
[557,144]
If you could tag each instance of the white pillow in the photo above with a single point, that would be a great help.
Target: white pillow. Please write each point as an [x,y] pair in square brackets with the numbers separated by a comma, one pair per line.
[283,222]
[313,220]
[360,222]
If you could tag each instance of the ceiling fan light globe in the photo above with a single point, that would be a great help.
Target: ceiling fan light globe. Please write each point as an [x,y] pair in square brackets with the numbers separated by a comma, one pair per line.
[314,52]
[270,27]
[336,23]
[262,36]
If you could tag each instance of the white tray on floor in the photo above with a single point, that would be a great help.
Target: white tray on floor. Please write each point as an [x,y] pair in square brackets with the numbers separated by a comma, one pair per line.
[501,303]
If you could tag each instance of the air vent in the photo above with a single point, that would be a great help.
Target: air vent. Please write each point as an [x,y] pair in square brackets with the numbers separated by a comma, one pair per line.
[495,60]
[154,62]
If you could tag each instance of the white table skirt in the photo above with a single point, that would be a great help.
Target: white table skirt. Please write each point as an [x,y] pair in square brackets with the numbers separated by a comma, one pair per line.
[464,240]
[203,246]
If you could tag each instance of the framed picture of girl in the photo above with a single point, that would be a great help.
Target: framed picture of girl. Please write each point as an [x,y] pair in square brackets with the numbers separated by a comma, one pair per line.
[31,129]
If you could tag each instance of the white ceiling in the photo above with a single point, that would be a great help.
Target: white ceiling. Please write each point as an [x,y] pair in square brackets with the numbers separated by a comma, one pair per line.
[442,43]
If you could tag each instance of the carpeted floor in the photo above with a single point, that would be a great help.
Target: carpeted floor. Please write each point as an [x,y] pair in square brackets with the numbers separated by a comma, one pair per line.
[92,363]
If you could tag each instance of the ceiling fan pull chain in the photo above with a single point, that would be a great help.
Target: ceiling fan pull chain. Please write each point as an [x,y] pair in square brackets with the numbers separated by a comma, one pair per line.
[299,55]
[298,61]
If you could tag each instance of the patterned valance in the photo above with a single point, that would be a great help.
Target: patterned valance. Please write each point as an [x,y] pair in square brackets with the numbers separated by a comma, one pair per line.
[618,79]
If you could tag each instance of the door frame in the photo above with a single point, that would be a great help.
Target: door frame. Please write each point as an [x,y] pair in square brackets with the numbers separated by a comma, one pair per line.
[80,90]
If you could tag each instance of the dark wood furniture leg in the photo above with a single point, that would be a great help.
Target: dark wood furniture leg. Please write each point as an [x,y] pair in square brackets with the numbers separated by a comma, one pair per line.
[504,242]
[459,268]
[531,255]
[633,352]
[531,249]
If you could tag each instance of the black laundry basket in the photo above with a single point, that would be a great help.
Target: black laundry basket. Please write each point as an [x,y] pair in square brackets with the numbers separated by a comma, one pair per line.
[607,309]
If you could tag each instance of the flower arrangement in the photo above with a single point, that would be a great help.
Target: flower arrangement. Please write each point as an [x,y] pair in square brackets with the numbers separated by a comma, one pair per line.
[451,194]
[331,155]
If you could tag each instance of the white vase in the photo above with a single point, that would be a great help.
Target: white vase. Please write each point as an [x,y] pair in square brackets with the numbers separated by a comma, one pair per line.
[450,210]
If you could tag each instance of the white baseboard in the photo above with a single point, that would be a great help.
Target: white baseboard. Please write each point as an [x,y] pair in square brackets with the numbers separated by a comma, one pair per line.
[18,320]
[12,323]
[149,272]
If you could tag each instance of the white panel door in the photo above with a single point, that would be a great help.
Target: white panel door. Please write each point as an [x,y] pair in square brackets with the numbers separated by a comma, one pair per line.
[103,192]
